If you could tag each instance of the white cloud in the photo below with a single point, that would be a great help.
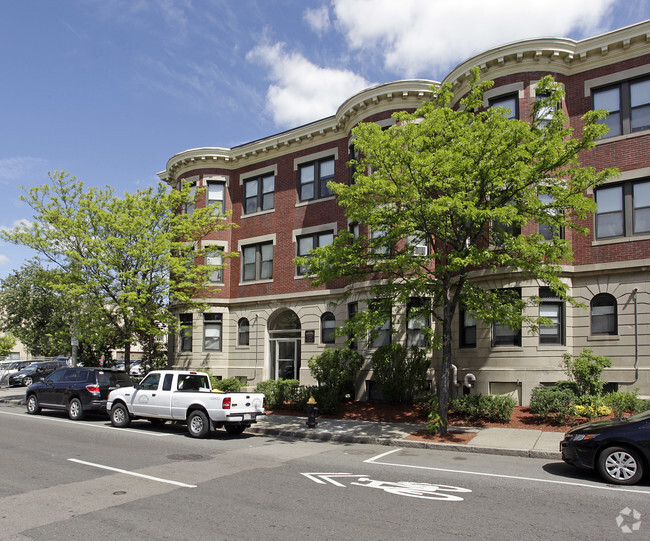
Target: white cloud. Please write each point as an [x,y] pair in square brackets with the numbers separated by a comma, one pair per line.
[301,91]
[4,260]
[18,169]
[23,222]
[428,38]
[318,19]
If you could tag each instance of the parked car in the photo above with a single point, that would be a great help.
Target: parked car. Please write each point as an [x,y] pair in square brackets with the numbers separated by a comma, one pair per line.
[76,390]
[12,367]
[34,372]
[619,449]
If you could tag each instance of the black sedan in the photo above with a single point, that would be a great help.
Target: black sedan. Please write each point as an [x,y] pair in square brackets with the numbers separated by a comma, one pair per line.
[34,372]
[618,448]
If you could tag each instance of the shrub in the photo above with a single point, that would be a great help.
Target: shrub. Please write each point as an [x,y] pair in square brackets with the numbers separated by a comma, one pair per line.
[280,393]
[552,402]
[336,369]
[585,370]
[400,371]
[230,385]
[590,407]
[429,404]
[495,408]
[625,402]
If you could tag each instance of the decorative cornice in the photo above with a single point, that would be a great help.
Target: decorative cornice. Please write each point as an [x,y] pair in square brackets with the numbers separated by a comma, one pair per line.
[559,55]
[406,94]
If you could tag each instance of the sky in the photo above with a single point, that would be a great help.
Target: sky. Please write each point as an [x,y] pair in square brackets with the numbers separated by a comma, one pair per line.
[109,90]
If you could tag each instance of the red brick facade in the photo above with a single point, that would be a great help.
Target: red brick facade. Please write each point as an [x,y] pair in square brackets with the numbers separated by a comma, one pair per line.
[616,266]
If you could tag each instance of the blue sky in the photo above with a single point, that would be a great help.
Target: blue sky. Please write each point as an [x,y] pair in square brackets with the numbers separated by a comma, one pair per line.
[109,90]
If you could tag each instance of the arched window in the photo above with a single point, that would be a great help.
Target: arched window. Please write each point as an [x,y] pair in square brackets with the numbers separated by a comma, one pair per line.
[243,333]
[327,328]
[604,314]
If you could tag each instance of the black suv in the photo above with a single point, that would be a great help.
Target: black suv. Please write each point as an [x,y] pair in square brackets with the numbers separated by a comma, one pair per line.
[76,390]
[34,372]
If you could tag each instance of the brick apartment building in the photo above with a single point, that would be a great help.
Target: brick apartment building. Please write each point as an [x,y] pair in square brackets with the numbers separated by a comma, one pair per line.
[265,321]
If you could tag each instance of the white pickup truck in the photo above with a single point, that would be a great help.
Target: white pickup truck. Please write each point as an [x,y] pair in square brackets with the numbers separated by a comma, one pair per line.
[187,396]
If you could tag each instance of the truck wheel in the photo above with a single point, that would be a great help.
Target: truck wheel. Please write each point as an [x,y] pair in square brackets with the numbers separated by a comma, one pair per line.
[33,407]
[120,417]
[197,424]
[234,430]
[75,410]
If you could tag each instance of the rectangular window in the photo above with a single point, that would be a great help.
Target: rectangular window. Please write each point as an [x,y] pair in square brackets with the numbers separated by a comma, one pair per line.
[309,242]
[257,262]
[503,335]
[623,210]
[551,308]
[510,101]
[212,327]
[190,204]
[628,104]
[382,334]
[217,196]
[467,330]
[547,231]
[416,320]
[186,332]
[418,244]
[313,178]
[353,308]
[544,114]
[259,193]
[216,259]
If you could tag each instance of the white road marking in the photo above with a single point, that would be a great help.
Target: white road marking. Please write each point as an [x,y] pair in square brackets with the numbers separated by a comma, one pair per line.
[82,423]
[376,460]
[134,474]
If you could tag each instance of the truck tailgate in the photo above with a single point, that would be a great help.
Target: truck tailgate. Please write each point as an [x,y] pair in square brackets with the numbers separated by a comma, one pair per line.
[243,406]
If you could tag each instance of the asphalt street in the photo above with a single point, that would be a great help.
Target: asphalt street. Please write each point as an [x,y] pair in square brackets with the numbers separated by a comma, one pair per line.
[88,480]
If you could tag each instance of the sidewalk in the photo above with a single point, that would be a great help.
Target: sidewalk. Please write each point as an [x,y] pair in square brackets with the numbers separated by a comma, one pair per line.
[495,441]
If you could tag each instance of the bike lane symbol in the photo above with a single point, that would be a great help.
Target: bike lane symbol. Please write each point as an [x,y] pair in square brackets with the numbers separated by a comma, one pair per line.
[426,491]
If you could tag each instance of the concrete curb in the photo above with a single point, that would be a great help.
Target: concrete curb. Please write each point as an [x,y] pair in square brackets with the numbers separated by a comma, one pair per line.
[307,434]
[393,442]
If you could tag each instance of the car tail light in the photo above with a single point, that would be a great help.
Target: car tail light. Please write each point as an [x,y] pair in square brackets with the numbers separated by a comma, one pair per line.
[93,389]
[226,403]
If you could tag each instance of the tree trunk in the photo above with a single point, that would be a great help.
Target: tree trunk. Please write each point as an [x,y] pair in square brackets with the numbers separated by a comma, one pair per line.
[445,367]
[127,356]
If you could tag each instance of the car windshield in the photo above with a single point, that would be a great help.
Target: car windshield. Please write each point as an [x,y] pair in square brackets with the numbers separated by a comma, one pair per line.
[639,416]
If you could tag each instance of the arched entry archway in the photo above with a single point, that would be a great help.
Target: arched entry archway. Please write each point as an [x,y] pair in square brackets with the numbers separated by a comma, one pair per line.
[284,335]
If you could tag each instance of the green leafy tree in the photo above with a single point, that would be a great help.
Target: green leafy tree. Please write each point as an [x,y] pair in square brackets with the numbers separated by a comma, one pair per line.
[34,312]
[123,259]
[7,342]
[440,177]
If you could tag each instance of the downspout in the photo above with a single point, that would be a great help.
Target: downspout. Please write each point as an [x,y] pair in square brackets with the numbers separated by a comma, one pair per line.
[636,336]
[256,348]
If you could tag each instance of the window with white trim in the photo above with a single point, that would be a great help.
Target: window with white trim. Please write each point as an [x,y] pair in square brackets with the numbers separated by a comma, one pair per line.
[257,262]
[185,335]
[313,178]
[509,101]
[628,103]
[328,328]
[604,314]
[243,332]
[215,259]
[623,209]
[259,193]
[306,243]
[552,308]
[216,195]
[212,331]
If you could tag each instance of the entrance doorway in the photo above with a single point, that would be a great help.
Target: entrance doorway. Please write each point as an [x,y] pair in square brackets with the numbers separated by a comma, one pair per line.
[285,337]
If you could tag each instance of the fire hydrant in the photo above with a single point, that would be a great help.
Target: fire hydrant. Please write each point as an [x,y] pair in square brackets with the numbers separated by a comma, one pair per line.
[312,412]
